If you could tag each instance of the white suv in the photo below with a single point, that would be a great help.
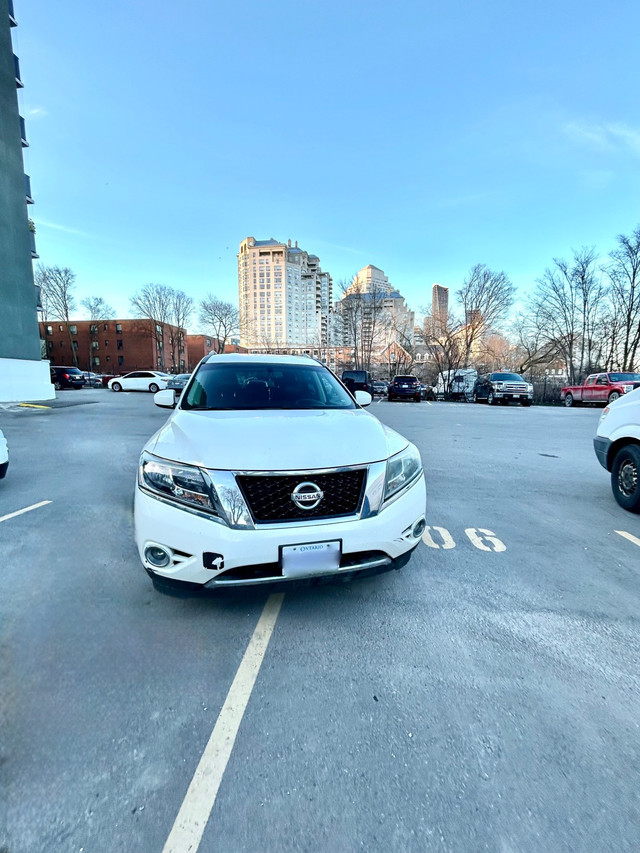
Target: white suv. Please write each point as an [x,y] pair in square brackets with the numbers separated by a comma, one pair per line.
[617,446]
[268,471]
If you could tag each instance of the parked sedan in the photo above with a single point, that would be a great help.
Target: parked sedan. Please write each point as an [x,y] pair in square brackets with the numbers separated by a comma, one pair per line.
[380,388]
[93,380]
[176,383]
[140,380]
[502,388]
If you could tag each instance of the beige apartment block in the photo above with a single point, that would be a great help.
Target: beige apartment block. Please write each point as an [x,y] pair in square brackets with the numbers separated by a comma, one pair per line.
[284,296]
[394,321]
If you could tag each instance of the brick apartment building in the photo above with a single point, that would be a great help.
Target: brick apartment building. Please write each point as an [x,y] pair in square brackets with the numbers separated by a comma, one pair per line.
[200,345]
[115,346]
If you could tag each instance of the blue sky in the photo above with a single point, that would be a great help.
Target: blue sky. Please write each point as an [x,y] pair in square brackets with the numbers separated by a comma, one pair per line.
[422,137]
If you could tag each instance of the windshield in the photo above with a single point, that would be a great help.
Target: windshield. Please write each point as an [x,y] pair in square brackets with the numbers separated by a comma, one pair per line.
[506,377]
[230,387]
[624,377]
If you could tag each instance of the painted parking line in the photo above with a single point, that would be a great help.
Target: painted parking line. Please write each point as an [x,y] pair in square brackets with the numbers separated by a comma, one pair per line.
[190,824]
[626,535]
[22,511]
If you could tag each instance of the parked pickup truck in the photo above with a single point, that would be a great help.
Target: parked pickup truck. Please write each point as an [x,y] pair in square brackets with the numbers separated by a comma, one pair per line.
[600,388]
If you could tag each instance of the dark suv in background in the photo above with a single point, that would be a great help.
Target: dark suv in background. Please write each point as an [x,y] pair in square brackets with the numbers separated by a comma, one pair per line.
[67,377]
[358,380]
[404,388]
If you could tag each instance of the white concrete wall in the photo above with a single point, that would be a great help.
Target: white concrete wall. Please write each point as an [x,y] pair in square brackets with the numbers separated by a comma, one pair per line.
[22,380]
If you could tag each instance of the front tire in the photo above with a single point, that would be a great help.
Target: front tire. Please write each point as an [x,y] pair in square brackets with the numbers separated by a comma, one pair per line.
[568,401]
[116,386]
[490,399]
[154,388]
[625,477]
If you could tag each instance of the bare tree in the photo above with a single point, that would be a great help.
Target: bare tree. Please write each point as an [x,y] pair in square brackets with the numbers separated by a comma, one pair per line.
[624,317]
[485,298]
[181,311]
[56,291]
[222,318]
[154,303]
[98,311]
[567,307]
[445,344]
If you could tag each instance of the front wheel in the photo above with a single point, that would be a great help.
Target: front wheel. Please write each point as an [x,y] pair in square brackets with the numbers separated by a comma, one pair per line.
[613,396]
[624,477]
[153,388]
[568,401]
[475,398]
[490,398]
[116,386]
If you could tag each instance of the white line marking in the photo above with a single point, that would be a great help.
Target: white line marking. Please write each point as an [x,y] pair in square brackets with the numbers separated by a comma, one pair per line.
[488,536]
[190,824]
[21,511]
[624,533]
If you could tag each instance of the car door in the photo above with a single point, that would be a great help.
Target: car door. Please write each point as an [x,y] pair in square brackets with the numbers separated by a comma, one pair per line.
[589,389]
[131,381]
[600,392]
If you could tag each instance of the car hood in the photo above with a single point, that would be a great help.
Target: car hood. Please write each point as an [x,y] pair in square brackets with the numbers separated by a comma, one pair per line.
[275,440]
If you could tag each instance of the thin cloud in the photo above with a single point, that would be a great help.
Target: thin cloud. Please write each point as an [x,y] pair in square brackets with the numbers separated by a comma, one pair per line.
[42,223]
[35,112]
[604,136]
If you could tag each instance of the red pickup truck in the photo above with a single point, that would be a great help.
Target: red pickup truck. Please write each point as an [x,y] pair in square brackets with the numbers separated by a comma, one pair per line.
[600,388]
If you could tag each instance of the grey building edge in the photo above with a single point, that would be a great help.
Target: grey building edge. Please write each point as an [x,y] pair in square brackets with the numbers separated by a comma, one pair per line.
[23,374]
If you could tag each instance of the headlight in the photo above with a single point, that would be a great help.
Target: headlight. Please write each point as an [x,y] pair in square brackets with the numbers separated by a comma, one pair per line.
[604,414]
[530,388]
[402,470]
[498,386]
[183,484]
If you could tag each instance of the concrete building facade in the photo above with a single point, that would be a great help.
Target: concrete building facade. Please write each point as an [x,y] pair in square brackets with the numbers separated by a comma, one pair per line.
[284,296]
[23,374]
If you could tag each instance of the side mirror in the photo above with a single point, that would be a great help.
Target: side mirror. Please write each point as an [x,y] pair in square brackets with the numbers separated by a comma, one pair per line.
[363,398]
[165,399]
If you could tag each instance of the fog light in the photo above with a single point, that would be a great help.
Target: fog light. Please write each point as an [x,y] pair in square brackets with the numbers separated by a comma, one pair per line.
[418,528]
[157,556]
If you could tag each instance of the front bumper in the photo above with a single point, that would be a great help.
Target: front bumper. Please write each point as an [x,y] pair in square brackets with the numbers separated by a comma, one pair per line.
[601,447]
[251,557]
[510,395]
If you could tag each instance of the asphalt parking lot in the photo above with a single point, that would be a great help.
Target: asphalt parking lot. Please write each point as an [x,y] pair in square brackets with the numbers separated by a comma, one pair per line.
[485,697]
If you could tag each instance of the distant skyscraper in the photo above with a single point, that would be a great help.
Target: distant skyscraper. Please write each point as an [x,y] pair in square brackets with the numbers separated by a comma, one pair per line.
[439,305]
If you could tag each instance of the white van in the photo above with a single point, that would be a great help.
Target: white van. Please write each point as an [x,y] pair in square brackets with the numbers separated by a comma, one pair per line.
[457,383]
[617,446]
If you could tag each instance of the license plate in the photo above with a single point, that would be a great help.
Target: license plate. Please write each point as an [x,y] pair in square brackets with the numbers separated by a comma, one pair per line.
[310,558]
[515,395]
